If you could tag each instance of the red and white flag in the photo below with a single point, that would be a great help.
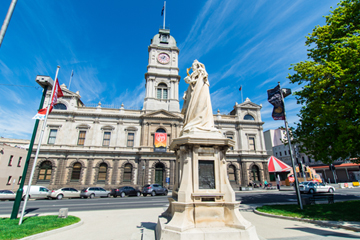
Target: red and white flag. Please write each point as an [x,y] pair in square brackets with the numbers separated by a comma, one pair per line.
[57,93]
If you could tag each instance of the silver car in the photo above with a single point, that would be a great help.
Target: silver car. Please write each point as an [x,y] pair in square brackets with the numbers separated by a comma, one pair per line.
[7,195]
[315,187]
[92,192]
[64,192]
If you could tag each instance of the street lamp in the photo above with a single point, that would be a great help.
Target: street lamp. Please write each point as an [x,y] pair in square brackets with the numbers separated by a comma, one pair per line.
[45,82]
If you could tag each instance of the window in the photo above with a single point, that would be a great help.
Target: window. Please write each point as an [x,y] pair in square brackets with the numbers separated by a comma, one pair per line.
[276,153]
[19,180]
[52,136]
[289,152]
[19,162]
[10,160]
[9,180]
[303,159]
[60,106]
[252,143]
[127,172]
[106,140]
[230,137]
[231,173]
[130,139]
[249,117]
[75,175]
[162,91]
[102,172]
[45,171]
[285,153]
[81,139]
[280,154]
[309,159]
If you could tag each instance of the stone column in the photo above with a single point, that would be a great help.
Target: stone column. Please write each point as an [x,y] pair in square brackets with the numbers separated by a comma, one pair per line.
[90,170]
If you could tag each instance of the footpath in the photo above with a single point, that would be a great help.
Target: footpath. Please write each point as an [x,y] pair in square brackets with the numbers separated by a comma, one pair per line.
[139,224]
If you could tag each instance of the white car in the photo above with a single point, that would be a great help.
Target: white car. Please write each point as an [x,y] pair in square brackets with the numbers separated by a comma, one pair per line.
[315,187]
[64,192]
[36,192]
[7,195]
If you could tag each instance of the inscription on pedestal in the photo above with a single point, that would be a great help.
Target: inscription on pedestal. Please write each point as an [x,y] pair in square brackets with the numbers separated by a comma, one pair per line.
[206,174]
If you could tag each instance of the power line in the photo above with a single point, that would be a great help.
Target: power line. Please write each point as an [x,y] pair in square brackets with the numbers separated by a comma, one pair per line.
[19,85]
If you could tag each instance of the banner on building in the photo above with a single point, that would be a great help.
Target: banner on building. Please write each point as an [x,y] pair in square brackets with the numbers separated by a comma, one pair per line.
[160,142]
[275,99]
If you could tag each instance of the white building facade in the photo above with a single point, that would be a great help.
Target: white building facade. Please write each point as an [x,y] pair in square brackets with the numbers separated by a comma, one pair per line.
[109,147]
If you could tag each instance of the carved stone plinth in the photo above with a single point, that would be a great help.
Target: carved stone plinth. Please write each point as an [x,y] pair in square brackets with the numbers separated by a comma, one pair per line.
[203,204]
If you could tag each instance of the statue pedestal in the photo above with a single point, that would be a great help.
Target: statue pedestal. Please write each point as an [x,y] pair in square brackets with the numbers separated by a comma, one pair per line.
[203,203]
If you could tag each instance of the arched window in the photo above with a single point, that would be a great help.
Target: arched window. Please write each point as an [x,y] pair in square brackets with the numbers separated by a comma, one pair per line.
[102,172]
[159,173]
[75,175]
[231,173]
[60,106]
[255,173]
[249,117]
[127,172]
[162,91]
[45,171]
[161,130]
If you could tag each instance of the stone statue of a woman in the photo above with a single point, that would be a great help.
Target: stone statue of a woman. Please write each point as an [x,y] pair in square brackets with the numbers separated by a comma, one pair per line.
[197,110]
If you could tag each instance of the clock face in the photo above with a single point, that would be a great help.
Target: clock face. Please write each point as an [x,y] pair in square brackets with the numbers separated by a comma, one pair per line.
[163,58]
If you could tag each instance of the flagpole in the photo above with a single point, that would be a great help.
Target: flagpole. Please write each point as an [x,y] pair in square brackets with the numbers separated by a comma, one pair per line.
[291,152]
[7,20]
[72,73]
[164,14]
[38,147]
[242,99]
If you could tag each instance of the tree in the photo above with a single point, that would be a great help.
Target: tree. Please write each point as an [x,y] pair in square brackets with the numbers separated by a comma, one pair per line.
[329,126]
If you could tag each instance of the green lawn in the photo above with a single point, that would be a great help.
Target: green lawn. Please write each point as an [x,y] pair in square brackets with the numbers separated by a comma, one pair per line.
[340,211]
[10,229]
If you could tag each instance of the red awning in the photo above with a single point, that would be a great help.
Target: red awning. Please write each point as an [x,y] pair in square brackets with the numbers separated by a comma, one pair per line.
[275,165]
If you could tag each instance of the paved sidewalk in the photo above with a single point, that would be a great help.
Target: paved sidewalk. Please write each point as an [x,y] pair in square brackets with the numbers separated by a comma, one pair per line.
[132,223]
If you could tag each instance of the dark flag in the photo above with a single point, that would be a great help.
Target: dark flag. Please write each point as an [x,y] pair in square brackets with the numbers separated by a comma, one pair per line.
[274,98]
[286,92]
[240,88]
[162,11]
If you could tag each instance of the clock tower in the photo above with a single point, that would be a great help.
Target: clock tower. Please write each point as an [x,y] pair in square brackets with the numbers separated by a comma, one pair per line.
[162,77]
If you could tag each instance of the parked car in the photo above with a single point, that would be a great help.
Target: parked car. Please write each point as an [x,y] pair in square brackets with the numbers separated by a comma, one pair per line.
[154,189]
[315,187]
[36,192]
[7,195]
[92,192]
[125,191]
[64,192]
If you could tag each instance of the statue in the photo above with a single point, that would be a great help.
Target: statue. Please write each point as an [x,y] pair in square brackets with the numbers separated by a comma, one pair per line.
[197,110]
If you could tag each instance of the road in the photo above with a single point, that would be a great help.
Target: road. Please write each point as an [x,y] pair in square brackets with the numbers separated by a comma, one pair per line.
[253,197]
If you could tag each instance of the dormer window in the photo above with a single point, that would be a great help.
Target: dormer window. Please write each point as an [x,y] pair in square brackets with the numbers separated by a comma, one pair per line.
[60,106]
[249,117]
[162,91]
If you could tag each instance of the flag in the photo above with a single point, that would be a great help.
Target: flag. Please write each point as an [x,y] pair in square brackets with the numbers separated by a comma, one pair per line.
[275,99]
[57,93]
[162,11]
[240,88]
[72,72]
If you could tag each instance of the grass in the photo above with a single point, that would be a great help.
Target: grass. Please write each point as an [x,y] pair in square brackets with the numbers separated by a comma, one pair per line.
[340,211]
[10,229]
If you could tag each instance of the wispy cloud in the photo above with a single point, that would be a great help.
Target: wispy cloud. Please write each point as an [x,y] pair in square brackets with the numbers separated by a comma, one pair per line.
[132,98]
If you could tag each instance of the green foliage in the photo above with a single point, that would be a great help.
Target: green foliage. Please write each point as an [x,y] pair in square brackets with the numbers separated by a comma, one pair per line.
[340,211]
[329,126]
[10,229]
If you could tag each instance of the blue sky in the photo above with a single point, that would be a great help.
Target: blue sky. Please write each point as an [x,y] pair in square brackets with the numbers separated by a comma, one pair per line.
[248,43]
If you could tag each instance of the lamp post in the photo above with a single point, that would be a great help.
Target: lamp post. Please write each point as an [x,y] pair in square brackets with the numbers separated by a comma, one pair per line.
[44,82]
